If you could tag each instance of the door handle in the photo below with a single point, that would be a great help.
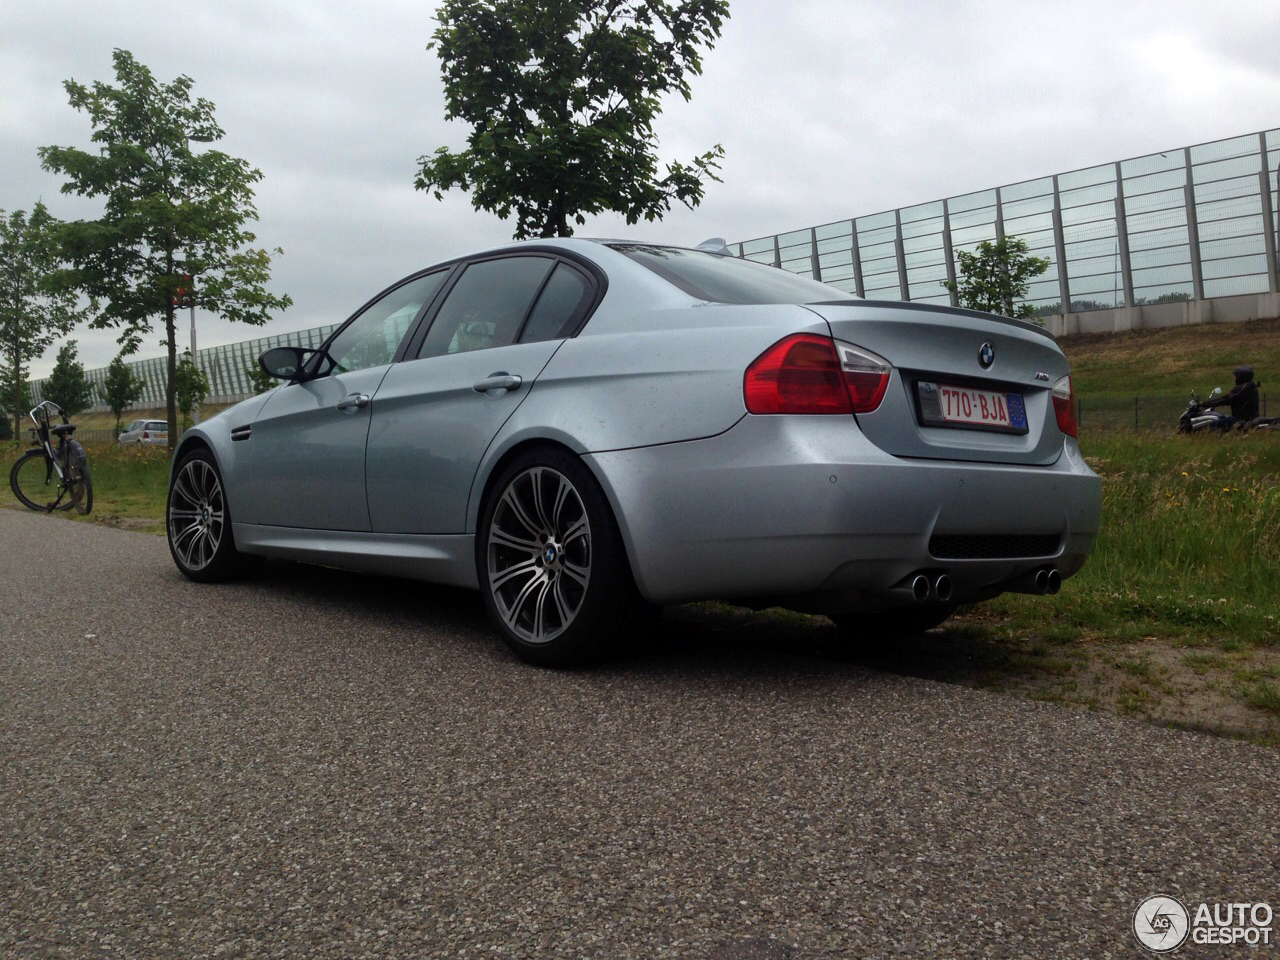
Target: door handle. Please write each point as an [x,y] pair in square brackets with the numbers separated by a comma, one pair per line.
[497,382]
[353,402]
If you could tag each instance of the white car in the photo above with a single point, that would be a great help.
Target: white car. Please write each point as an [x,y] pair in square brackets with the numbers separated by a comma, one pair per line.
[145,431]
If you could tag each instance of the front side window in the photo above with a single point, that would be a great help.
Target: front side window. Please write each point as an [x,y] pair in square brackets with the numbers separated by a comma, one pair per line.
[371,339]
[487,306]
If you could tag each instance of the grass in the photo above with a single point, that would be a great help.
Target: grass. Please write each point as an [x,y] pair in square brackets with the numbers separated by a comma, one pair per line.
[1189,548]
[130,484]
[1173,360]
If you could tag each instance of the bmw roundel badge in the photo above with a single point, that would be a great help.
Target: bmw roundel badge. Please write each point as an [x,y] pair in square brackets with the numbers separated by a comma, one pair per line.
[986,355]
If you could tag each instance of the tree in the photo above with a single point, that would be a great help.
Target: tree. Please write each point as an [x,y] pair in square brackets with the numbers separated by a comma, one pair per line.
[191,387]
[995,276]
[562,99]
[35,310]
[120,387]
[67,386]
[173,231]
[259,380]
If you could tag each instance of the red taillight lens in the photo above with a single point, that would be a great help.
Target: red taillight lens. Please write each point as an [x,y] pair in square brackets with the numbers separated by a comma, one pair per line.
[1064,407]
[145,435]
[800,374]
[806,373]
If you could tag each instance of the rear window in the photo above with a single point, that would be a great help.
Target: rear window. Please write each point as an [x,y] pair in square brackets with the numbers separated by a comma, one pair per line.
[722,279]
[157,425]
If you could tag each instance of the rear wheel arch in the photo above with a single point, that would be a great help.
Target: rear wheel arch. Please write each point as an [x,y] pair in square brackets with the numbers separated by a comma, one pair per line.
[475,513]
[601,591]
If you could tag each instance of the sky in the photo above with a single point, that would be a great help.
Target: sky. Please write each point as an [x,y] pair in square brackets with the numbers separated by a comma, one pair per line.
[826,109]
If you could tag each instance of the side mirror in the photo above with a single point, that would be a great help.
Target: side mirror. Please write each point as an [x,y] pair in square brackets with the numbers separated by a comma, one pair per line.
[286,363]
[1215,392]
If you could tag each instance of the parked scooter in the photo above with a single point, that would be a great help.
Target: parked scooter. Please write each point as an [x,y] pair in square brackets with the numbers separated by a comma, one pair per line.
[1199,416]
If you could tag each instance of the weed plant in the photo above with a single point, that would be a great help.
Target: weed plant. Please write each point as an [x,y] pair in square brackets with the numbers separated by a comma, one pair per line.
[1189,546]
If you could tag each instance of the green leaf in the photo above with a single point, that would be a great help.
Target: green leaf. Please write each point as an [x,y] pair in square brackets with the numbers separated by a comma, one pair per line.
[561,99]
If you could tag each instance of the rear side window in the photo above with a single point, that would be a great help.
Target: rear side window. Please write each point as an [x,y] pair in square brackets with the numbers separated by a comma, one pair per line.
[727,279]
[487,306]
[560,306]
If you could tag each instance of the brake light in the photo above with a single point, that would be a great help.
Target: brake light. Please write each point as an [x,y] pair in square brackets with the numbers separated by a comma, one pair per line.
[806,373]
[145,435]
[1064,407]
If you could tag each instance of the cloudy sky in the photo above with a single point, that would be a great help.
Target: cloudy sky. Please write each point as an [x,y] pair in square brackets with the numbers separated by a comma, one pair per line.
[826,109]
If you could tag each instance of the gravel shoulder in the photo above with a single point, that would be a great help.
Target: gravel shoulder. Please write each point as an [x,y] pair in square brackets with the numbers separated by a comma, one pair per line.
[318,764]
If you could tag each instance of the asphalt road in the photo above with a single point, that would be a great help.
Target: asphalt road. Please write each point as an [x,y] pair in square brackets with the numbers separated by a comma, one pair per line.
[315,764]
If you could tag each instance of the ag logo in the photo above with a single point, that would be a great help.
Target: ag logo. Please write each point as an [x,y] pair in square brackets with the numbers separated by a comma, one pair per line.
[1161,924]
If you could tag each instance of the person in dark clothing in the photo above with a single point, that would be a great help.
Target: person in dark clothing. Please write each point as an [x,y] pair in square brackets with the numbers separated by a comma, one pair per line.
[1243,399]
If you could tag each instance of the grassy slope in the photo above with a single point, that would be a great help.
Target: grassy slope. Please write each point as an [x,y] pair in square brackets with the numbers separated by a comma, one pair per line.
[1172,361]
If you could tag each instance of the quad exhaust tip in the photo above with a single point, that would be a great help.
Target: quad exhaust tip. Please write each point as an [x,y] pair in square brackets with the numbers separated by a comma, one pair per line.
[924,587]
[1045,580]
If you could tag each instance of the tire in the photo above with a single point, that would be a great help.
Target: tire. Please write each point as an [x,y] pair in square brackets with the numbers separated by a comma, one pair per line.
[198,523]
[551,563]
[894,624]
[79,480]
[27,480]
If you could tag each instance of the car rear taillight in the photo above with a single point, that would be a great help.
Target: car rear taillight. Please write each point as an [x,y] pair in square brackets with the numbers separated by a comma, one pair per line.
[866,376]
[145,435]
[806,373]
[1064,407]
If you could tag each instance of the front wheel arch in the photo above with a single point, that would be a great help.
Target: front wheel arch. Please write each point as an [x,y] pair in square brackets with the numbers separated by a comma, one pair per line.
[202,493]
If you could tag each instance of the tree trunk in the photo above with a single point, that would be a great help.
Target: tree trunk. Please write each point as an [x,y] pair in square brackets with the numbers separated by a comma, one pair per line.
[170,394]
[17,392]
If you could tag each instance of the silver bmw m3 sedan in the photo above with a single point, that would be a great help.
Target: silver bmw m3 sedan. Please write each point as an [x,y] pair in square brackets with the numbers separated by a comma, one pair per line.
[585,430]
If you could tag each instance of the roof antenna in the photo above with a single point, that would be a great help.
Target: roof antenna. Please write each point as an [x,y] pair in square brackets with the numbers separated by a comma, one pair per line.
[715,245]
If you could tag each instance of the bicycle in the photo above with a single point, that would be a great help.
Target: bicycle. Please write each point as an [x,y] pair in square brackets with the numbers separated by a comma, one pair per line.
[55,456]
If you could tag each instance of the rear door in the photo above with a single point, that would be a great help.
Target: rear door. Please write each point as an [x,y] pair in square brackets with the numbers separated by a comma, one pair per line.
[435,414]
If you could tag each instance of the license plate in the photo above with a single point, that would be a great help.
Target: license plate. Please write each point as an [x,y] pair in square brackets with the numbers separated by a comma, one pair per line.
[949,405]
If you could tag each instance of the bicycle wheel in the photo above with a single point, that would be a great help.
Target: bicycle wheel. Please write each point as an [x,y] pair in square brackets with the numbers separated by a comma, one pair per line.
[33,481]
[79,483]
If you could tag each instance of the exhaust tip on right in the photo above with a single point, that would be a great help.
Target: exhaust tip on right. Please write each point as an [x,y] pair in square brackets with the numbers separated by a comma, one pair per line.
[942,588]
[1053,582]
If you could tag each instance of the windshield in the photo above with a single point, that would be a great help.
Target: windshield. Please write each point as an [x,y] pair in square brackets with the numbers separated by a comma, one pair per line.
[727,279]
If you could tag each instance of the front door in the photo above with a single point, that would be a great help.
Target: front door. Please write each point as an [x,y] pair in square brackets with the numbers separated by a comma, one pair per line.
[308,442]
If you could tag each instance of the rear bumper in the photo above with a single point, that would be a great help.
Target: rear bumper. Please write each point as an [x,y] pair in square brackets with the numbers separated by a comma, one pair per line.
[807,509]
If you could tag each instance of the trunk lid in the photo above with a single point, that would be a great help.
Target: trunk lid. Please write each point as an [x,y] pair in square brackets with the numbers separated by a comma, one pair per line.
[943,357]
